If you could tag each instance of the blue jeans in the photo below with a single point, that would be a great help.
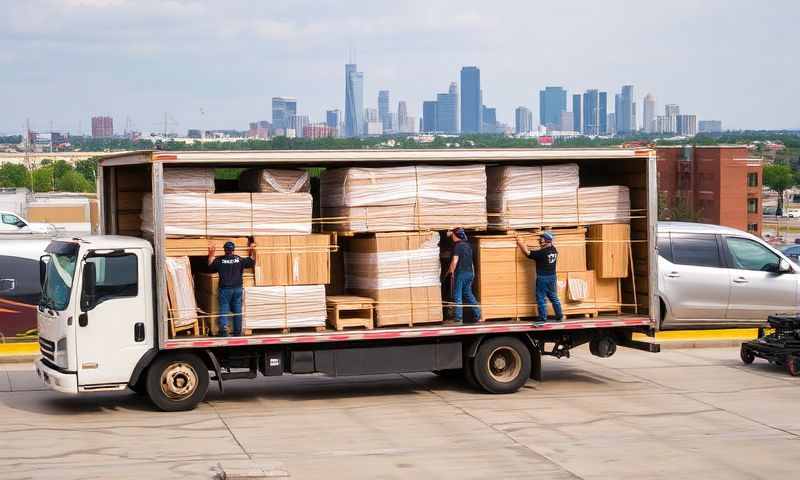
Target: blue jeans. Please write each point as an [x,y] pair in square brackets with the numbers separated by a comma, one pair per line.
[546,289]
[230,305]
[462,290]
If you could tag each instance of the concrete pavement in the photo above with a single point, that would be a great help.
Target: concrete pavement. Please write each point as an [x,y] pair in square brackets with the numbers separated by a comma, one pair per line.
[681,413]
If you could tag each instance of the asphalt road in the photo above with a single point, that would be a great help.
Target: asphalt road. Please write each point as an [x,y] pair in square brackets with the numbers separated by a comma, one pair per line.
[694,413]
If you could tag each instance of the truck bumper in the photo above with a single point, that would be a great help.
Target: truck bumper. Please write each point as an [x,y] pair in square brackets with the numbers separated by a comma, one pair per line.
[62,382]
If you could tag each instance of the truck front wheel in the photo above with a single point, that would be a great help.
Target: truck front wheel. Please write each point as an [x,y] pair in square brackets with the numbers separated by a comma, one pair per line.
[177,382]
[502,365]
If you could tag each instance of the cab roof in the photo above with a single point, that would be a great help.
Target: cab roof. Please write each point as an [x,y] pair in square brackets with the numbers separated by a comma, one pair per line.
[112,242]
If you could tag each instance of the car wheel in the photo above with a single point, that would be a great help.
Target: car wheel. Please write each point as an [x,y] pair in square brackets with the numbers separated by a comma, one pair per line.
[793,365]
[746,355]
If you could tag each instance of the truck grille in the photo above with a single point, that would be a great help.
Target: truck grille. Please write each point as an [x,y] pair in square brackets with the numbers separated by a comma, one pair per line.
[47,348]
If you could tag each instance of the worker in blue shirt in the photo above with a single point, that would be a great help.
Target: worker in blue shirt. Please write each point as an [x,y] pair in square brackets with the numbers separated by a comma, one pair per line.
[230,268]
[546,257]
[463,273]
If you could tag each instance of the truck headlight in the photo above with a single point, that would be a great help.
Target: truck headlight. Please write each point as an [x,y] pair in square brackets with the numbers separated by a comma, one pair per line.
[61,353]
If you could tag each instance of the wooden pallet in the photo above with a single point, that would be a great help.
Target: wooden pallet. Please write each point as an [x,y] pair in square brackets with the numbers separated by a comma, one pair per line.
[284,331]
[575,313]
[345,311]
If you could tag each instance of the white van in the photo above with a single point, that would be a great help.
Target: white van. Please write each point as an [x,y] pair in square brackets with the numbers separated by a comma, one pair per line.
[719,277]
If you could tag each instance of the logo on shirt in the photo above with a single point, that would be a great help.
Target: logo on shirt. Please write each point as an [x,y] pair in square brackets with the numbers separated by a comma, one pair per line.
[229,261]
[551,257]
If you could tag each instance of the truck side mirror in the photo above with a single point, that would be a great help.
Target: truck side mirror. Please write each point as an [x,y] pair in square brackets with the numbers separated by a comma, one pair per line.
[42,270]
[89,293]
[784,267]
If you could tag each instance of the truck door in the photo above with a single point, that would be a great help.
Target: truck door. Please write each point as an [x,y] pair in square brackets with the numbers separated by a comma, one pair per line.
[114,327]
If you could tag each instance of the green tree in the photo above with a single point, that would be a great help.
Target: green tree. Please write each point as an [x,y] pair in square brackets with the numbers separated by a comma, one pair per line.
[43,180]
[88,169]
[779,178]
[72,181]
[14,175]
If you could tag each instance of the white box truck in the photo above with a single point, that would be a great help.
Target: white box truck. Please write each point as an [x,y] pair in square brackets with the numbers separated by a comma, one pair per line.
[112,333]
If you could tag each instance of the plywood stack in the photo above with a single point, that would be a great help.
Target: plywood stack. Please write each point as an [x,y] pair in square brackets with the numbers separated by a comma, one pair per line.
[188,180]
[400,271]
[180,295]
[272,180]
[529,197]
[609,247]
[198,247]
[284,307]
[293,260]
[397,199]
[505,278]
[231,214]
[611,204]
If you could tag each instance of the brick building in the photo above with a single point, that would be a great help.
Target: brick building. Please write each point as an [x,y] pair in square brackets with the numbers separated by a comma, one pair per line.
[715,184]
[102,127]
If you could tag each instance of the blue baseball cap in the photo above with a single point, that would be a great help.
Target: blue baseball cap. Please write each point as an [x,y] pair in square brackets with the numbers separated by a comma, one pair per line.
[548,236]
[460,233]
[229,246]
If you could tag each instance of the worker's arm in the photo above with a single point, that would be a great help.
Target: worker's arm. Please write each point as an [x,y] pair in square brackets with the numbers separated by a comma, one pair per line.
[453,265]
[211,256]
[523,247]
[250,261]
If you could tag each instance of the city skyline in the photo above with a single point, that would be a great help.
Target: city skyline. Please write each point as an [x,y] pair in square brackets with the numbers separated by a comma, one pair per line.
[298,54]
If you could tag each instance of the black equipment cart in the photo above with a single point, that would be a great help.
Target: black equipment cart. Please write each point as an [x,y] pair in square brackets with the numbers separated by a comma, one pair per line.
[781,347]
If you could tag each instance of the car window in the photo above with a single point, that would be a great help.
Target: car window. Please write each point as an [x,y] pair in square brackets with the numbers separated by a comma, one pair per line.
[697,250]
[9,219]
[749,255]
[792,251]
[664,246]
[116,276]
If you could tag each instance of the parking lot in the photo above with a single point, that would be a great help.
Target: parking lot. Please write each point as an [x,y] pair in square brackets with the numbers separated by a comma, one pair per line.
[678,414]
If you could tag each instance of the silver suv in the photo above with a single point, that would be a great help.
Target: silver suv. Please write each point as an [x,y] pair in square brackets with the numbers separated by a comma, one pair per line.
[719,277]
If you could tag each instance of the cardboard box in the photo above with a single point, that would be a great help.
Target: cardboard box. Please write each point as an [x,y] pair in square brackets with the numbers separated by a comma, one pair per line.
[293,260]
[284,307]
[209,282]
[608,292]
[609,249]
[401,272]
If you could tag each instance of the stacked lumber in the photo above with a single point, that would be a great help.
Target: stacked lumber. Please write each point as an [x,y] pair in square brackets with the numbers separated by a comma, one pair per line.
[273,180]
[293,260]
[231,214]
[401,272]
[186,180]
[611,204]
[609,248]
[396,199]
[529,197]
[284,307]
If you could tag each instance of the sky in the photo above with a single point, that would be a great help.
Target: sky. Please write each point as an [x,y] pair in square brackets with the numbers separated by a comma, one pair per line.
[215,65]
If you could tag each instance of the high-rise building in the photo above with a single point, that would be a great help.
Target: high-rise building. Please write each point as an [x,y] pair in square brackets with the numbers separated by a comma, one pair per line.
[447,110]
[710,126]
[489,117]
[333,119]
[471,100]
[686,125]
[282,109]
[625,110]
[602,112]
[666,124]
[102,127]
[566,122]
[297,123]
[649,113]
[611,123]
[591,112]
[430,118]
[402,118]
[523,120]
[383,109]
[552,101]
[353,100]
[576,112]
[318,130]
[672,110]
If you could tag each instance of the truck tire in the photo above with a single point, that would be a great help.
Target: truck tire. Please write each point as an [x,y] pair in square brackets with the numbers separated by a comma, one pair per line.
[177,382]
[502,365]
[793,365]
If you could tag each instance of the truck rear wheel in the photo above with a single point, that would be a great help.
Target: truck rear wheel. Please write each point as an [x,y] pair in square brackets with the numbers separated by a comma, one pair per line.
[177,382]
[502,365]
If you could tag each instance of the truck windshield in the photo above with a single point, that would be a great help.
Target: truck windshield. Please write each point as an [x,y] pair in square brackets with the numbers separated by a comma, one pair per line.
[58,277]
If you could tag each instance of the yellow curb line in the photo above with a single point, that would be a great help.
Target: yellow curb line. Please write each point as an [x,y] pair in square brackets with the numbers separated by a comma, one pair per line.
[9,349]
[701,335]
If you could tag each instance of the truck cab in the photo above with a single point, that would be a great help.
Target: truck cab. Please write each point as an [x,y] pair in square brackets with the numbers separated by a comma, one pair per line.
[95,316]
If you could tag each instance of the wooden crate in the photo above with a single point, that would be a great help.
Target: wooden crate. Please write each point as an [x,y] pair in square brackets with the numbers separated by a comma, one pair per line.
[608,249]
[350,311]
